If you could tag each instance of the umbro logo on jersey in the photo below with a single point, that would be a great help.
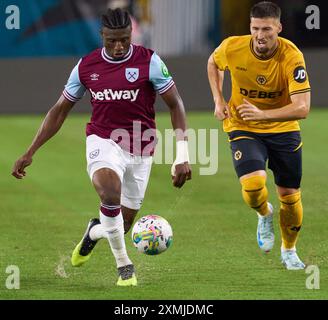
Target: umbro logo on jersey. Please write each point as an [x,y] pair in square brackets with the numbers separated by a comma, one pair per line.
[94,76]
[109,94]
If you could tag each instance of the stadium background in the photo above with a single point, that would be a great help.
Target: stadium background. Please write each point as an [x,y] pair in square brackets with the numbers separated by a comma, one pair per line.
[55,34]
[35,62]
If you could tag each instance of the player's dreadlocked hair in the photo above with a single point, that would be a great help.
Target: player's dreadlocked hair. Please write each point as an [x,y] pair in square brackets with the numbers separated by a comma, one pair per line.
[116,19]
[265,9]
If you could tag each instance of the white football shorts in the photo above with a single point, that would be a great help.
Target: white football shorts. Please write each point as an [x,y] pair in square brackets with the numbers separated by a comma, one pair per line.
[133,171]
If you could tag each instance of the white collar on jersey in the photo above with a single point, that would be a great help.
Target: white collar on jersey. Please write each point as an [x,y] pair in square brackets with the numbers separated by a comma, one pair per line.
[111,60]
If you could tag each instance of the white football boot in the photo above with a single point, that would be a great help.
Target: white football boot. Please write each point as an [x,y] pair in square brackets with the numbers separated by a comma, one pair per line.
[290,260]
[265,233]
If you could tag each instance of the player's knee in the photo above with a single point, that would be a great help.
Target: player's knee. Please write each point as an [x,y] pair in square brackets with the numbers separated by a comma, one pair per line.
[254,191]
[110,197]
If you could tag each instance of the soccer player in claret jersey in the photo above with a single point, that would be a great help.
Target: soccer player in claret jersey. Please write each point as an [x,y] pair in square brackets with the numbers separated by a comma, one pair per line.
[270,92]
[122,80]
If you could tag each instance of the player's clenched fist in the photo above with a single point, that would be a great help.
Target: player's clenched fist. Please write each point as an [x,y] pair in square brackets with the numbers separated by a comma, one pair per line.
[221,111]
[19,166]
[182,174]
[181,169]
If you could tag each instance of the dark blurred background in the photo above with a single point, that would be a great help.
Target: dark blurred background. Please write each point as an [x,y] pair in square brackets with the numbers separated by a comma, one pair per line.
[36,59]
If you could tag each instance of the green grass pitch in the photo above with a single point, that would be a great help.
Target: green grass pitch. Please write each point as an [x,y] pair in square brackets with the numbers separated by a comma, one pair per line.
[214,253]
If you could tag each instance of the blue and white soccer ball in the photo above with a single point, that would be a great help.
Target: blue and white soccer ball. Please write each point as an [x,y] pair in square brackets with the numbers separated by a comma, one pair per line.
[152,235]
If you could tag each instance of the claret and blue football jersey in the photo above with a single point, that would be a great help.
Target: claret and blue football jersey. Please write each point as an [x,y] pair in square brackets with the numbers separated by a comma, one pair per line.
[122,92]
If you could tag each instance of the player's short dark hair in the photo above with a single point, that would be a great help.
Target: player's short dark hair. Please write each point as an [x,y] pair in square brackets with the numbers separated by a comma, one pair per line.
[265,9]
[116,19]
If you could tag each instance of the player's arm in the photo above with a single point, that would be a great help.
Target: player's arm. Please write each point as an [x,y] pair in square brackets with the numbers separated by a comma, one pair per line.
[49,127]
[163,83]
[181,168]
[216,78]
[216,65]
[298,109]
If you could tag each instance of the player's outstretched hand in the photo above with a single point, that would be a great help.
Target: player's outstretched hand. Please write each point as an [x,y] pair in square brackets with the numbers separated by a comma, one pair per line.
[182,174]
[19,166]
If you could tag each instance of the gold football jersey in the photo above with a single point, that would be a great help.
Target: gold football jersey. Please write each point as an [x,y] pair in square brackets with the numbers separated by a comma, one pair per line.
[266,83]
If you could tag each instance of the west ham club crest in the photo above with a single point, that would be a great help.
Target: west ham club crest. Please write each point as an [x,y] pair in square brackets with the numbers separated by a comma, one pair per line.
[132,74]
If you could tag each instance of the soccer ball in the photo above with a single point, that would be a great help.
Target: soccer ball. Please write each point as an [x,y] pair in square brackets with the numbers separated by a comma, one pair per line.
[152,235]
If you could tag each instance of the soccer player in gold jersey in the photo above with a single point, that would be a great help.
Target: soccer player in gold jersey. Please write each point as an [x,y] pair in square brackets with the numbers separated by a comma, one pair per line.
[270,93]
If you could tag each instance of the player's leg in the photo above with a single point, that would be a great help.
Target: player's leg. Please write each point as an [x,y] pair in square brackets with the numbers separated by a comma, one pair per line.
[134,183]
[106,165]
[128,217]
[285,160]
[108,186]
[291,217]
[255,192]
[249,158]
[96,150]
